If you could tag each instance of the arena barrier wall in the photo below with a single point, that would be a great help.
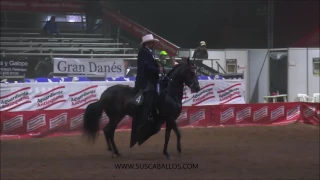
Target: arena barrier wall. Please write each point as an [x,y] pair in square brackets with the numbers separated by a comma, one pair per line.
[43,123]
[77,95]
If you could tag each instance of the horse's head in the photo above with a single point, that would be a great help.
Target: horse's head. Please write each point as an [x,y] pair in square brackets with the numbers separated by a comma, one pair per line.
[186,73]
[192,76]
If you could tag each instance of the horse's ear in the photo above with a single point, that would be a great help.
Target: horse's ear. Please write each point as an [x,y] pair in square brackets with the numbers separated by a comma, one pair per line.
[188,60]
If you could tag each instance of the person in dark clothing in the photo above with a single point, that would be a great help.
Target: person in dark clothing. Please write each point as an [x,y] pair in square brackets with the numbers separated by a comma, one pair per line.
[43,67]
[147,77]
[51,27]
[201,51]
[93,12]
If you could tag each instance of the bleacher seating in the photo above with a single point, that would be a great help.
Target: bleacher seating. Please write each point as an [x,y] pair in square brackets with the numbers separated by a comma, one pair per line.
[70,44]
[32,34]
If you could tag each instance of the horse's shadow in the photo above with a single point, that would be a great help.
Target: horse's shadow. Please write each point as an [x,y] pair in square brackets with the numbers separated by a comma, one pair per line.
[146,156]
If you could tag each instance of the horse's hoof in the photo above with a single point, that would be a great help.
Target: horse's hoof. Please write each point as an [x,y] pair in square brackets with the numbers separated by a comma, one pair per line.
[179,150]
[132,144]
[118,154]
[167,155]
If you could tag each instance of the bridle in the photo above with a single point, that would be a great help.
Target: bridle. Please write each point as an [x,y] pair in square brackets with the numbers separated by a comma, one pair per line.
[190,83]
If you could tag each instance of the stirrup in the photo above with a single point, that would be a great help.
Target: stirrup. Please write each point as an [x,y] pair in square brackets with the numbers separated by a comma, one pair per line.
[150,117]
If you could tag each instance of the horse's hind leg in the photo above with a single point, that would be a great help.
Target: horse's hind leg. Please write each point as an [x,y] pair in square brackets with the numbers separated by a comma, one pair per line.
[110,130]
[107,139]
[171,125]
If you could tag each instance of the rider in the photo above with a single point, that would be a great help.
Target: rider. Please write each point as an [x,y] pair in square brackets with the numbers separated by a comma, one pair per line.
[162,59]
[147,76]
[166,63]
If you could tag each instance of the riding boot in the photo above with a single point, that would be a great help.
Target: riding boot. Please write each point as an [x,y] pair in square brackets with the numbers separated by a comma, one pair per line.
[146,113]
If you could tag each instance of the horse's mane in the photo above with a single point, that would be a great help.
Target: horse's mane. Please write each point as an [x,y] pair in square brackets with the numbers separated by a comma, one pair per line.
[174,69]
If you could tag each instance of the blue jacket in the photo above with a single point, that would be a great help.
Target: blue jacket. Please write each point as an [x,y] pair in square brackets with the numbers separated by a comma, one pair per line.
[51,27]
[148,69]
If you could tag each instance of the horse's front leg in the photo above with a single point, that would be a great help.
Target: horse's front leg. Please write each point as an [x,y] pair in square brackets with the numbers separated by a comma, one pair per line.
[167,137]
[176,130]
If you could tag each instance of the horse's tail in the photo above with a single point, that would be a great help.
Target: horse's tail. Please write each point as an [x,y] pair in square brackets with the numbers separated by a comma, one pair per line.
[91,120]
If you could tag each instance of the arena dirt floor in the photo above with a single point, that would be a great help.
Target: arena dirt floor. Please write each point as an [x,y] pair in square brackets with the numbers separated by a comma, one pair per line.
[282,152]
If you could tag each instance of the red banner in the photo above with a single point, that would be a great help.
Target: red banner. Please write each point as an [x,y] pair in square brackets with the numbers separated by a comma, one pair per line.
[42,123]
[41,6]
[311,113]
[137,30]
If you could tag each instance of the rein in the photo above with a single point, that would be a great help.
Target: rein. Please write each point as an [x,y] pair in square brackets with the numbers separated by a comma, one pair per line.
[171,82]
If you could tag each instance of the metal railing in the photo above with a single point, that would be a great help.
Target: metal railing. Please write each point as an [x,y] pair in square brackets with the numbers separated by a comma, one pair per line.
[39,34]
[10,29]
[54,44]
[63,49]
[52,54]
[56,38]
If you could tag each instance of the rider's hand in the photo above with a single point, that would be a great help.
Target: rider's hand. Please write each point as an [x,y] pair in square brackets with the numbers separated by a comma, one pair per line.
[161,69]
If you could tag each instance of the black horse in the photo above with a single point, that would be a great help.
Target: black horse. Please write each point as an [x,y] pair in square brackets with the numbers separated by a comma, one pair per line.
[120,100]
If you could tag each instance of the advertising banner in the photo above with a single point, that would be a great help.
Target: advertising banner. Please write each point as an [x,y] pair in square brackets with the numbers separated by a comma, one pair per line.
[216,92]
[13,66]
[77,95]
[40,123]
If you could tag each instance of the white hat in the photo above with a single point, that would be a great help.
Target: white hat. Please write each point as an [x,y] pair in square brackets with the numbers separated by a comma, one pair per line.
[147,38]
[202,43]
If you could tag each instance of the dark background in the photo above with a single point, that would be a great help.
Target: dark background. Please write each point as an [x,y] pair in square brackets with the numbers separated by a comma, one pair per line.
[224,24]
[221,23]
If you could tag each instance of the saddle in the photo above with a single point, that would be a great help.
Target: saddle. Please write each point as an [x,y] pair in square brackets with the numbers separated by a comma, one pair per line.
[162,84]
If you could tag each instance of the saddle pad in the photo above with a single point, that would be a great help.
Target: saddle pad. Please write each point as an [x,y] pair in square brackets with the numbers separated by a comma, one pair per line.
[138,99]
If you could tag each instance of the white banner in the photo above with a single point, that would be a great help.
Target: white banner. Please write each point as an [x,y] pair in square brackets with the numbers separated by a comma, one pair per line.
[109,67]
[215,92]
[77,95]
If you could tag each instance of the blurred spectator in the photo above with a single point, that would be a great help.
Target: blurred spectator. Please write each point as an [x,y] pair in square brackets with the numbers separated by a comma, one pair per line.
[50,75]
[164,63]
[201,52]
[93,12]
[162,58]
[51,27]
[173,61]
[44,68]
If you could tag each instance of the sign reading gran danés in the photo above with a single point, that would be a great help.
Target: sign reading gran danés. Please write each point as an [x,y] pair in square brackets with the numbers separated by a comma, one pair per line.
[111,67]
